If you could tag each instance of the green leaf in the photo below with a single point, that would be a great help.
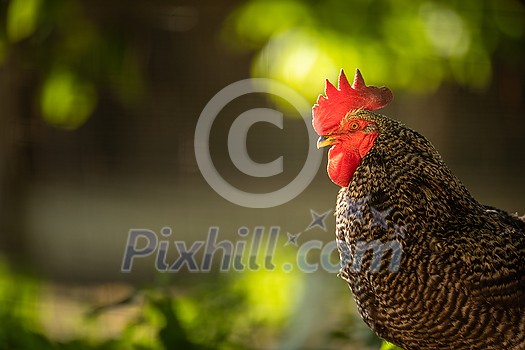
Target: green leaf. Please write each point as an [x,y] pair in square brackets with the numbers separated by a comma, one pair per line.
[66,101]
[22,18]
[389,346]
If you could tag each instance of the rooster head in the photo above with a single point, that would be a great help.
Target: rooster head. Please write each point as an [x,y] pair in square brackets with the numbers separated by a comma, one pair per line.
[334,119]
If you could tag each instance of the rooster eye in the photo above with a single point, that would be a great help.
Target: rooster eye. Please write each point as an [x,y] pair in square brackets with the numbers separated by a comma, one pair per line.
[354,126]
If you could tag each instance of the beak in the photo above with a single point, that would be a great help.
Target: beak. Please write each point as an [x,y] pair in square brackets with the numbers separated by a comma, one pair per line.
[324,141]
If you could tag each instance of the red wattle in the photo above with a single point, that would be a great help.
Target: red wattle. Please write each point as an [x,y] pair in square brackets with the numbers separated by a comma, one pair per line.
[341,165]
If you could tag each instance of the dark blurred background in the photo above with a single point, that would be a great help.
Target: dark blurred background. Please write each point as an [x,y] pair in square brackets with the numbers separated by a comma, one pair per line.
[99,101]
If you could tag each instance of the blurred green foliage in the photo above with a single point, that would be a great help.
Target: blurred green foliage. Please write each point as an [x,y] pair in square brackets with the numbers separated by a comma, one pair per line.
[413,45]
[18,316]
[234,311]
[389,346]
[72,54]
[22,16]
[66,101]
[158,326]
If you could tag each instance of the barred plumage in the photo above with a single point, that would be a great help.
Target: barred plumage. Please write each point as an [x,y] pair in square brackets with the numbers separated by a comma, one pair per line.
[459,282]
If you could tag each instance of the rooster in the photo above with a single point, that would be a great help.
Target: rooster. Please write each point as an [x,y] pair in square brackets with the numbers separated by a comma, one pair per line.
[429,266]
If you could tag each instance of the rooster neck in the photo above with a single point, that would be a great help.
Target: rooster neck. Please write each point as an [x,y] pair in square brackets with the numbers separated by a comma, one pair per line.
[403,179]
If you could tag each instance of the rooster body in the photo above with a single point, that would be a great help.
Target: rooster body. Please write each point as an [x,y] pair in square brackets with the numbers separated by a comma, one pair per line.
[429,266]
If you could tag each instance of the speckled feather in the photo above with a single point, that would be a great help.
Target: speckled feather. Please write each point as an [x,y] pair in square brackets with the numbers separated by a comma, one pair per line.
[461,278]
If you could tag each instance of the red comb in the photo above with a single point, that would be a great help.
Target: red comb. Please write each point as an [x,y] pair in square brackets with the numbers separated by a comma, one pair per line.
[330,110]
